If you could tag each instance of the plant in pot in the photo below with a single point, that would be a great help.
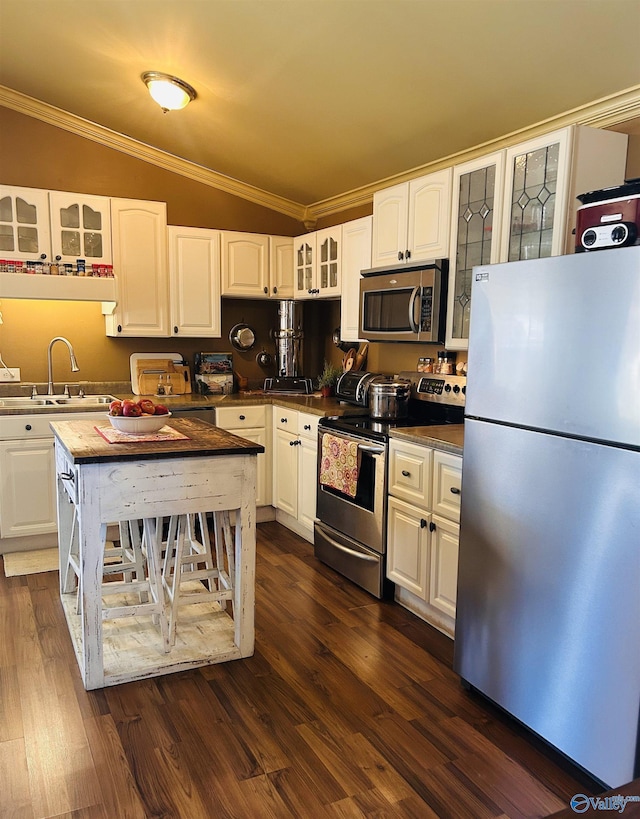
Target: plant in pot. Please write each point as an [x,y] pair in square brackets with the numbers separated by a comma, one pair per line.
[328,378]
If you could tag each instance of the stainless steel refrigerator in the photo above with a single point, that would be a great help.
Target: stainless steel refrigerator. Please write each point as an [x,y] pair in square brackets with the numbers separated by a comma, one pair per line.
[548,610]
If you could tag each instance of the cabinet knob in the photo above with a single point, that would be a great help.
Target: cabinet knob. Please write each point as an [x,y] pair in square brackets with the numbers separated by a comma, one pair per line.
[407,254]
[400,255]
[266,291]
[275,289]
[406,473]
[243,417]
[28,427]
[43,256]
[283,420]
[423,523]
[455,490]
[175,329]
[307,426]
[432,527]
[119,328]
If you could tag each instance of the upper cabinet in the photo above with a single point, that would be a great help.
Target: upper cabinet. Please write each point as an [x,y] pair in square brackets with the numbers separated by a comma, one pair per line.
[194,282]
[25,232]
[475,237]
[257,266]
[544,176]
[411,220]
[356,256]
[140,258]
[80,228]
[317,264]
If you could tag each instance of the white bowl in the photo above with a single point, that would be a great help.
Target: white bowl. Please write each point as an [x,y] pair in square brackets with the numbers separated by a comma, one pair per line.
[139,424]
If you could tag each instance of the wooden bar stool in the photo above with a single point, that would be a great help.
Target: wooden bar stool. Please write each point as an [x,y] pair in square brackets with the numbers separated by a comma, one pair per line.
[189,548]
[139,560]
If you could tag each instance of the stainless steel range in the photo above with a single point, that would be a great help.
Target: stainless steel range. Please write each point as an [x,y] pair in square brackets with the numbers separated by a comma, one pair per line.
[350,533]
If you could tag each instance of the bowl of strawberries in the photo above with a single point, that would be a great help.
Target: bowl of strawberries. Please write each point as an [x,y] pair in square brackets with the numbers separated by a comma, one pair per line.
[137,417]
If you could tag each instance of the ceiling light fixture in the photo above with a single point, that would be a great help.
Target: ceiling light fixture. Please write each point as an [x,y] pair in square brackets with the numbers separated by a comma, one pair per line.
[169,92]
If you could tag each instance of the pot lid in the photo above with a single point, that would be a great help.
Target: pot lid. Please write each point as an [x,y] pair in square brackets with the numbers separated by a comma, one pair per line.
[242,337]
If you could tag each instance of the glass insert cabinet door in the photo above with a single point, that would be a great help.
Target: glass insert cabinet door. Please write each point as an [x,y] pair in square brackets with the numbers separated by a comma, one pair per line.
[80,227]
[304,263]
[328,248]
[477,206]
[24,224]
[536,197]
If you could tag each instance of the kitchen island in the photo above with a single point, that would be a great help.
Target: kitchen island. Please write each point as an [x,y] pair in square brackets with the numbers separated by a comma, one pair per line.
[100,483]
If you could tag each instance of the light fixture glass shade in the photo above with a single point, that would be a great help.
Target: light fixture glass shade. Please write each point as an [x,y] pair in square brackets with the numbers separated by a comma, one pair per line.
[169,92]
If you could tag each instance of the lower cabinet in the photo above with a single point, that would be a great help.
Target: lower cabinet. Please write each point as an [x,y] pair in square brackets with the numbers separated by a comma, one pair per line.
[254,424]
[423,530]
[295,454]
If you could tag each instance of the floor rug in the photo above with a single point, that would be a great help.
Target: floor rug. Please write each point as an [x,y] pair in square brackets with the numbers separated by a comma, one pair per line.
[39,560]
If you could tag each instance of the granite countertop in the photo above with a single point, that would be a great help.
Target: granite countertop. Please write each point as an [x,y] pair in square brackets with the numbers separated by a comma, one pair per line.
[446,437]
[85,445]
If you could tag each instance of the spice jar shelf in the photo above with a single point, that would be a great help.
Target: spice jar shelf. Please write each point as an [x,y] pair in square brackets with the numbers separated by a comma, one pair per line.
[66,288]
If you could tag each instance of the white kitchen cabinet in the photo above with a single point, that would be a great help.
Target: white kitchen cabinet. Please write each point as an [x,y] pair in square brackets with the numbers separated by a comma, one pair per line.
[194,282]
[139,232]
[280,267]
[28,508]
[295,456]
[478,189]
[411,220]
[318,264]
[543,177]
[356,256]
[25,231]
[80,227]
[245,264]
[254,424]
[423,530]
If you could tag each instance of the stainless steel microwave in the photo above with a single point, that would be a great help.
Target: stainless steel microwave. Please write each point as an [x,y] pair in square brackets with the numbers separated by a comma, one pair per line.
[404,304]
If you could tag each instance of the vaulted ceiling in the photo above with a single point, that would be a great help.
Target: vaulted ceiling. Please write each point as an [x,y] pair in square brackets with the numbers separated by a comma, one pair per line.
[307,99]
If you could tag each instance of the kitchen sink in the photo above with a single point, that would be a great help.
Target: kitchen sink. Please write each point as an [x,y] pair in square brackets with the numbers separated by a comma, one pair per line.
[54,402]
[25,403]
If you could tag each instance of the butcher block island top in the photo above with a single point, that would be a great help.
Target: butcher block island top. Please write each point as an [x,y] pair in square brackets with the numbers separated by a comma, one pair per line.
[85,445]
[156,488]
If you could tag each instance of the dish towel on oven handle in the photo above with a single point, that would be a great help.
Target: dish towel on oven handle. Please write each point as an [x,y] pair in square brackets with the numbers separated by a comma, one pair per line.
[339,465]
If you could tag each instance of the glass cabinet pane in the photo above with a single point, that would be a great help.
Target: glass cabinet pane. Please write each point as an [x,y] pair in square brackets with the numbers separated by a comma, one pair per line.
[474,238]
[6,209]
[26,214]
[70,217]
[91,219]
[27,240]
[6,238]
[70,242]
[93,245]
[533,201]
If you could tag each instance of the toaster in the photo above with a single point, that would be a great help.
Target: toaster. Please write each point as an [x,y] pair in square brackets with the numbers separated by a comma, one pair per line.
[609,217]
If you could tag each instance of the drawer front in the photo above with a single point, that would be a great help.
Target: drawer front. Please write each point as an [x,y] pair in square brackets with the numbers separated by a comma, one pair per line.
[241,417]
[285,419]
[308,425]
[37,426]
[410,473]
[447,479]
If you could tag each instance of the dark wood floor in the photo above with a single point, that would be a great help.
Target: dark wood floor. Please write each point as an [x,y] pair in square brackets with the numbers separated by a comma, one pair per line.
[349,708]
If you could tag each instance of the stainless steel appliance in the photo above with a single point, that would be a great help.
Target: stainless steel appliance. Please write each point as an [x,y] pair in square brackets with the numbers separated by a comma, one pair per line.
[289,385]
[350,534]
[389,397]
[548,609]
[406,304]
[288,339]
[609,217]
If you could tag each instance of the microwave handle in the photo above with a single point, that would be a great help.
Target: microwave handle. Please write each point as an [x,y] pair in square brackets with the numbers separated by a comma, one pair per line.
[412,309]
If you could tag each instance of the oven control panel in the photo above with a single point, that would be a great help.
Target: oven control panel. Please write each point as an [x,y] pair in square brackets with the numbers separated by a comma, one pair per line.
[439,389]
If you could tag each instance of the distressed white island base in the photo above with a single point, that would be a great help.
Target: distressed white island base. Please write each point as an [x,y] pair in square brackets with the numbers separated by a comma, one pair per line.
[212,471]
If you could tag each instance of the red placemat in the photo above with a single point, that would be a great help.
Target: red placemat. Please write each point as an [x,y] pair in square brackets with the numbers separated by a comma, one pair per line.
[115,436]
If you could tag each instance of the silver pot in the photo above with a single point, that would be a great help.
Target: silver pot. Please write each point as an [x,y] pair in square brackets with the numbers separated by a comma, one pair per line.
[389,397]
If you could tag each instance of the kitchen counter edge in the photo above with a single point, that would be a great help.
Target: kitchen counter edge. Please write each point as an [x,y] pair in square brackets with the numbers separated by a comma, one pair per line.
[445,437]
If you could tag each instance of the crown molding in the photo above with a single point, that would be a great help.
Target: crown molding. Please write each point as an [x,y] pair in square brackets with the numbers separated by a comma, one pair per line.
[139,150]
[602,113]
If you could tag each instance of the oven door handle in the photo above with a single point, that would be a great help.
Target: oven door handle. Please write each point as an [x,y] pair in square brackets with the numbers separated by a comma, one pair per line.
[412,310]
[349,551]
[371,449]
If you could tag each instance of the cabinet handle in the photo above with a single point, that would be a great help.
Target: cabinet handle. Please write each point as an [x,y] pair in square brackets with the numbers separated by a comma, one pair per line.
[242,417]
[28,427]
[407,254]
[400,255]
[294,443]
[406,473]
[275,289]
[266,291]
[432,527]
[119,328]
[307,426]
[175,329]
[423,523]
[66,476]
[454,490]
[283,420]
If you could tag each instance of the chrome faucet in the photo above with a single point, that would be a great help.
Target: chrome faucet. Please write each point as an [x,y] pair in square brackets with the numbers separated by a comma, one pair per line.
[72,355]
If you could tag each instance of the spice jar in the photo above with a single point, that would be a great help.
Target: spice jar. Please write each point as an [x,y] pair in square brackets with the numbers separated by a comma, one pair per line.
[425,365]
[446,362]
